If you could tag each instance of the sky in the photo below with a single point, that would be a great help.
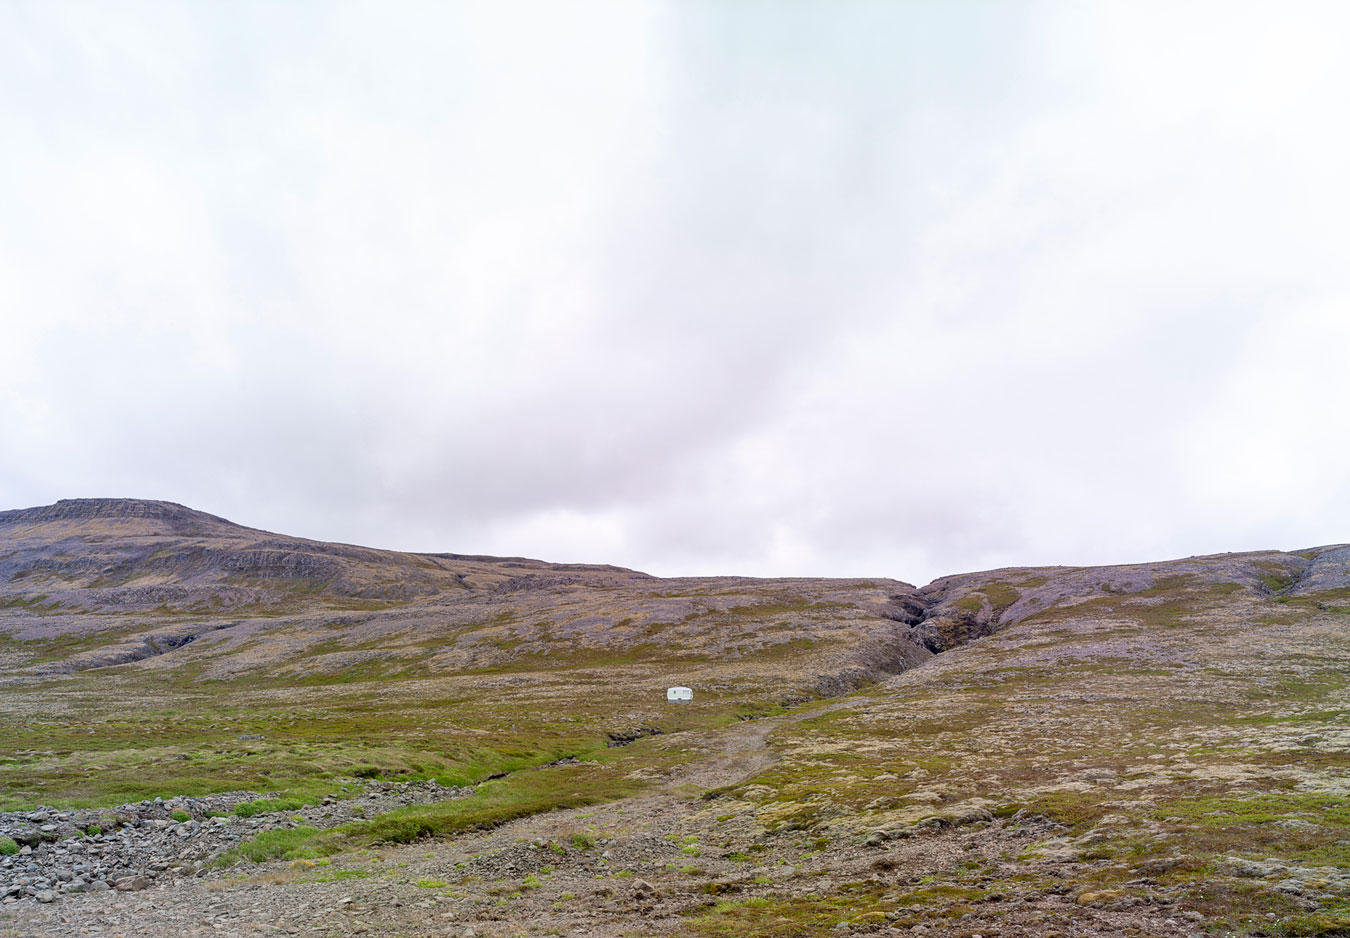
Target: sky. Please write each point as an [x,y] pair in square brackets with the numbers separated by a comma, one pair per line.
[767,288]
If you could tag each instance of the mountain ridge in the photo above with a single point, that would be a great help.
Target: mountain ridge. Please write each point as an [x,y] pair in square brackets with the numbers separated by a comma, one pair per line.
[131,510]
[177,568]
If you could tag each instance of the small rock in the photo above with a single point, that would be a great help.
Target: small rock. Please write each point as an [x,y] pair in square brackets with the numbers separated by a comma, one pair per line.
[974,816]
[1094,896]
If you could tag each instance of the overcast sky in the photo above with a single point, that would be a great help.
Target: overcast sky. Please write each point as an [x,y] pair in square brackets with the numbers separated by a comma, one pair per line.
[832,288]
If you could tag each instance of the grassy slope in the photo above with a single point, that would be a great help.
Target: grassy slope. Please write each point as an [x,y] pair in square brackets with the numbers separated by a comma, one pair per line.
[131,736]
[1175,733]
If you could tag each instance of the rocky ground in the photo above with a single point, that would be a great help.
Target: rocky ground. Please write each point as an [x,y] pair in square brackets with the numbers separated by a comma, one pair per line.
[133,846]
[655,865]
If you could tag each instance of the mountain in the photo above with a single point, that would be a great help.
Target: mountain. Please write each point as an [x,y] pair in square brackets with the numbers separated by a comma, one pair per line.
[120,580]
[117,581]
[1157,748]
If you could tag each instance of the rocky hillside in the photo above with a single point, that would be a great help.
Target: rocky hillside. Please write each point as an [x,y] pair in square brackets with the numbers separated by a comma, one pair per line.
[1147,749]
[93,583]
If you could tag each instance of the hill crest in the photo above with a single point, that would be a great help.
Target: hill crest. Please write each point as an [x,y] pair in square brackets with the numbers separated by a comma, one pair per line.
[173,517]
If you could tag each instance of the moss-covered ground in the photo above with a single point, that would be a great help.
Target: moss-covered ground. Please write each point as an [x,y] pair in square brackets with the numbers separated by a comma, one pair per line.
[1187,744]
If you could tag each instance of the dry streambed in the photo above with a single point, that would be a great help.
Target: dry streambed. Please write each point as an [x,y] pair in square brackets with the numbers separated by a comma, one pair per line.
[54,852]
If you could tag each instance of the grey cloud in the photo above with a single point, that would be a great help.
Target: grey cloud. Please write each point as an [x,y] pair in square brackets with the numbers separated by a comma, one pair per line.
[878,289]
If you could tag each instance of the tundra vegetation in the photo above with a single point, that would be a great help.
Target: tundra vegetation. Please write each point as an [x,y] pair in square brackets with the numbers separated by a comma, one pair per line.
[1150,749]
